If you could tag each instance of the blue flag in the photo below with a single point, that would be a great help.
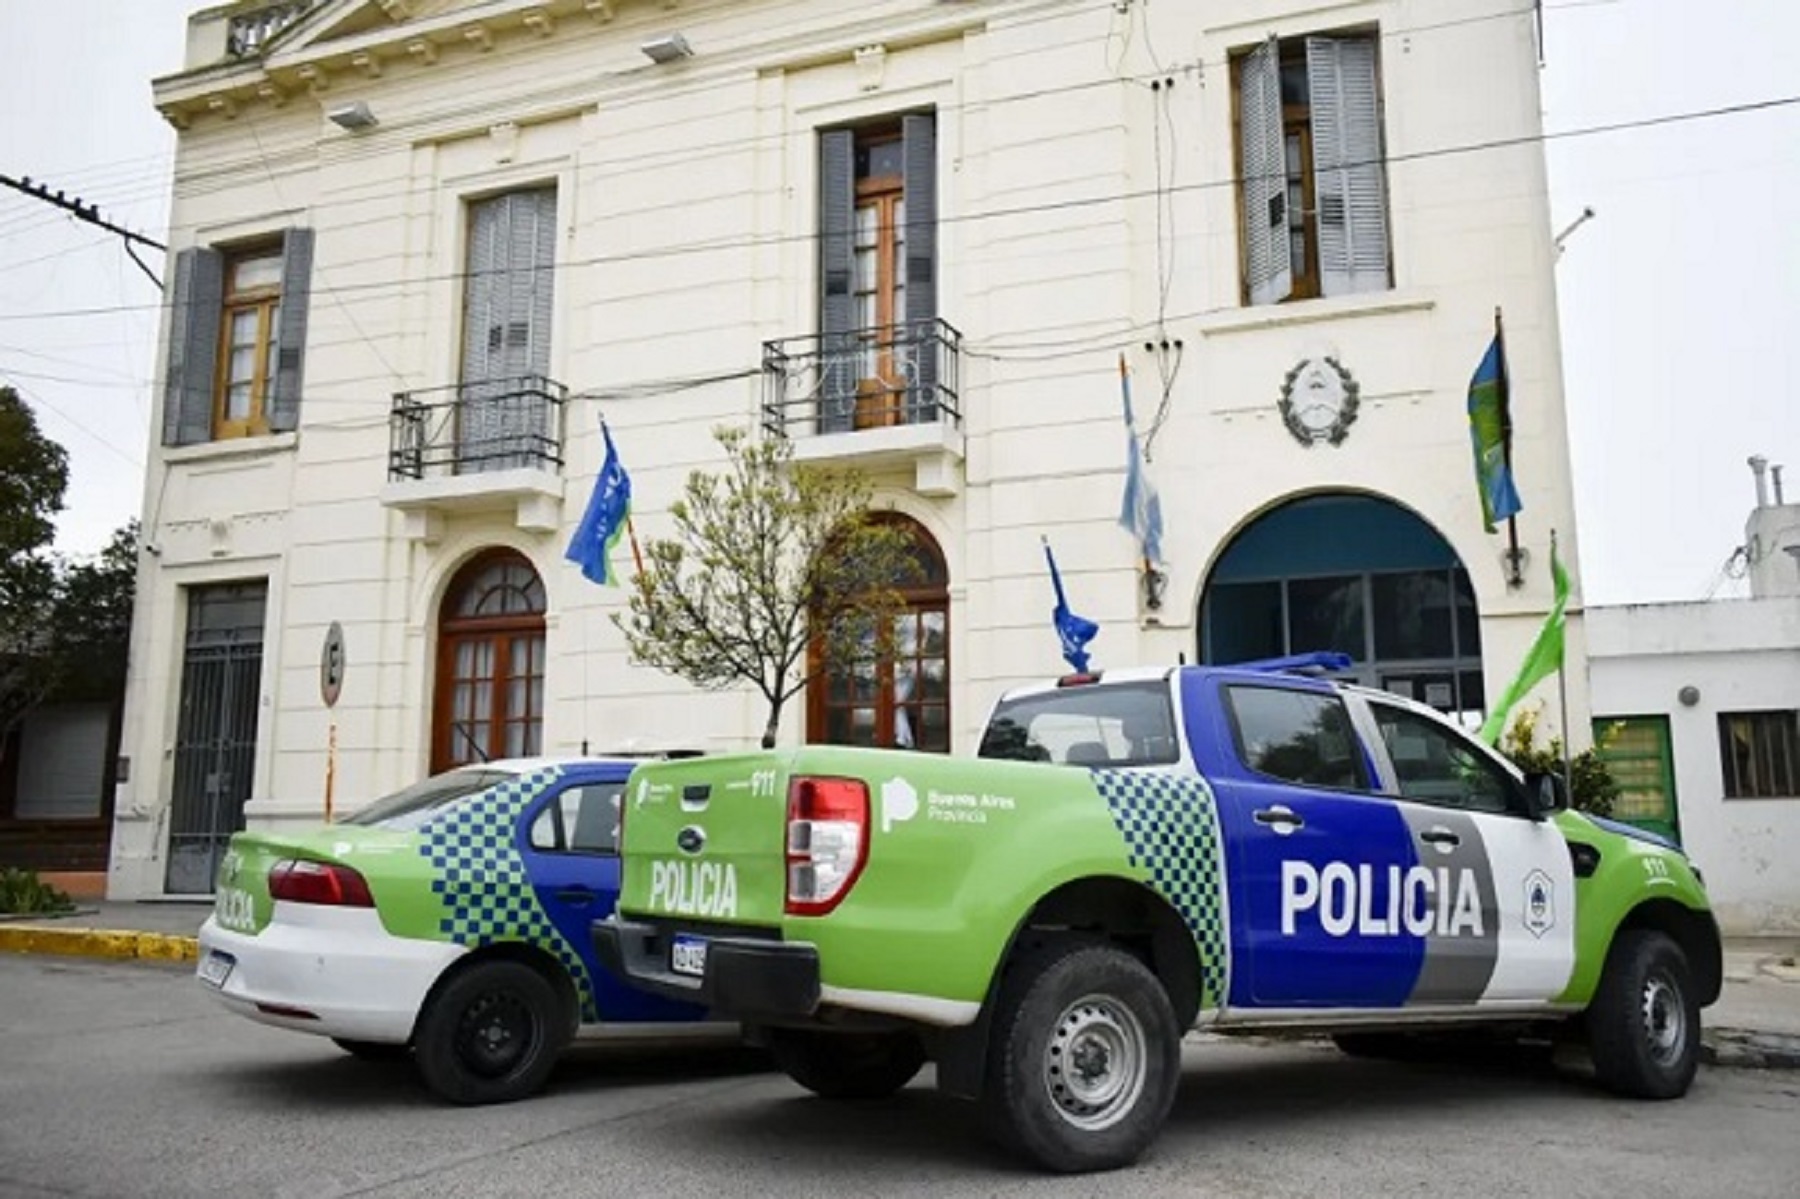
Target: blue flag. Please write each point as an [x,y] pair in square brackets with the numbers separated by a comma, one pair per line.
[1490,433]
[1073,631]
[1141,509]
[607,511]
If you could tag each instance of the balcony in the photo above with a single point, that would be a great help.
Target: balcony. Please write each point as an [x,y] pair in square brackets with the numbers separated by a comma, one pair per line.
[486,446]
[874,398]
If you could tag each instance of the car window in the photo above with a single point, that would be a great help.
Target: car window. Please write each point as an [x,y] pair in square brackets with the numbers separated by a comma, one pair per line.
[1123,724]
[412,806]
[583,819]
[1437,764]
[1300,736]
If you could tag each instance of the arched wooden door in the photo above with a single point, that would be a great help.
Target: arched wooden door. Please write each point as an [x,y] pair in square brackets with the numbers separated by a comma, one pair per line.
[490,669]
[898,694]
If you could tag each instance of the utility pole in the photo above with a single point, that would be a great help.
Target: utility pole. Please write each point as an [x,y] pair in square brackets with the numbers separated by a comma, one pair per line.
[90,213]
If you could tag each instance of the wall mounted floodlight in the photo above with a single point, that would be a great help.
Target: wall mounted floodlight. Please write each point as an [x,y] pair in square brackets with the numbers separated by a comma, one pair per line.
[354,117]
[670,47]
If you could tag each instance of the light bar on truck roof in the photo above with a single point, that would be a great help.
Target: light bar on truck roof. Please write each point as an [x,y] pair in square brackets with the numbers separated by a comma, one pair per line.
[1316,663]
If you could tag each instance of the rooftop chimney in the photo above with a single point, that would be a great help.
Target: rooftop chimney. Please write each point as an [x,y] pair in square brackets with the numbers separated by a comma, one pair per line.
[1775,477]
[1759,465]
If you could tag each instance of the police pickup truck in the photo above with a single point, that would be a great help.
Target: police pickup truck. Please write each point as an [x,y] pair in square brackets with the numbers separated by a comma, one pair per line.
[1141,852]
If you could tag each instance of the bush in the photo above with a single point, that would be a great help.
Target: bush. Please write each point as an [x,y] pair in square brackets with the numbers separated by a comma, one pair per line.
[23,892]
[1593,788]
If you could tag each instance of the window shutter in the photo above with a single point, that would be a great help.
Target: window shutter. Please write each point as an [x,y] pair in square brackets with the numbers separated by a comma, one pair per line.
[1268,255]
[509,303]
[837,267]
[1348,174]
[199,298]
[481,289]
[290,336]
[919,152]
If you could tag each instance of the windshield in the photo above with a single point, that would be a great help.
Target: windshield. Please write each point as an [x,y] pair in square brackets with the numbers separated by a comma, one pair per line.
[1125,724]
[407,809]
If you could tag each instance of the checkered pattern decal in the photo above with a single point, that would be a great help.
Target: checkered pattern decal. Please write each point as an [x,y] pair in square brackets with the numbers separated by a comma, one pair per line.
[481,879]
[1171,826]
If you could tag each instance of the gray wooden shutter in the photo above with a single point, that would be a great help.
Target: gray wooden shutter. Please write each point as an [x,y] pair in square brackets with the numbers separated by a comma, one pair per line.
[193,364]
[1349,178]
[290,335]
[509,304]
[837,268]
[1268,254]
[919,156]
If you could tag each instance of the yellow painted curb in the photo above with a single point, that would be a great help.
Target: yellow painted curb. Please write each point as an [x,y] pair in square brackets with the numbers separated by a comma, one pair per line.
[97,943]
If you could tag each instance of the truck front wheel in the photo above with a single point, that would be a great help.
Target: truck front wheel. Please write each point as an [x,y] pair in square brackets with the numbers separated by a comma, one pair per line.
[1085,1059]
[1644,1023]
[847,1065]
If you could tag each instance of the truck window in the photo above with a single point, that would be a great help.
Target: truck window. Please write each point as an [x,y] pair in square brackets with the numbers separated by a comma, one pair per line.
[1435,764]
[1299,736]
[1099,725]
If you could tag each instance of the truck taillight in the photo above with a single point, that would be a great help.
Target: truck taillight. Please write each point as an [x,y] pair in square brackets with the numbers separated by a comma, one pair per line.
[300,881]
[827,842]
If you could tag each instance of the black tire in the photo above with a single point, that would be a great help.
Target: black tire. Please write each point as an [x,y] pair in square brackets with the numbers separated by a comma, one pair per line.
[847,1065]
[1084,1061]
[492,1034]
[1644,1023]
[373,1051]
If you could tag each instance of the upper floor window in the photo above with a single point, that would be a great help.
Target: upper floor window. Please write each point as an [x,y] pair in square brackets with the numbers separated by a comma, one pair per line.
[1760,753]
[237,340]
[877,273]
[508,307]
[1314,189]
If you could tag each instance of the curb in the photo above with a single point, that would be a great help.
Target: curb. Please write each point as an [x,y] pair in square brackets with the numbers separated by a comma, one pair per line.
[98,943]
[1736,1048]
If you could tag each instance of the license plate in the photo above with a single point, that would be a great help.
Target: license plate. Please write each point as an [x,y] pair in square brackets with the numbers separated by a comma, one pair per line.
[688,955]
[215,968]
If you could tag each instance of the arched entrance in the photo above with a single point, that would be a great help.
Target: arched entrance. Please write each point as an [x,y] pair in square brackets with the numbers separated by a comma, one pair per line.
[899,695]
[1353,573]
[490,671]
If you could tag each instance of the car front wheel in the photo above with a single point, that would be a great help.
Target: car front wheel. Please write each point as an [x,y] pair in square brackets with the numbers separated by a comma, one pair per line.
[1644,1023]
[492,1034]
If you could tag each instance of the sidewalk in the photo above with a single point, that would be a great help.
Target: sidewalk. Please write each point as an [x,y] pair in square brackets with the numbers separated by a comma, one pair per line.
[1755,1023]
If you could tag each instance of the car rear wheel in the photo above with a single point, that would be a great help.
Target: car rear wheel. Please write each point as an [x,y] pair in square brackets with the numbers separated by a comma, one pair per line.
[847,1065]
[1644,1023]
[492,1034]
[373,1051]
[1085,1059]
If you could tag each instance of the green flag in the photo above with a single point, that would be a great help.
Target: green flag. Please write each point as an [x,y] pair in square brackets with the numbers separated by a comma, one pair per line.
[1544,658]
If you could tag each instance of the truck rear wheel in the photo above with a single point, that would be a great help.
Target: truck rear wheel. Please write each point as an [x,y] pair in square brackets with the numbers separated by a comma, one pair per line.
[1644,1023]
[1085,1059]
[847,1065]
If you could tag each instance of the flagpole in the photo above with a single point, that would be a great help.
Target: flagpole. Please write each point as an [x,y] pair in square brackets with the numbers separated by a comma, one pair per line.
[1562,694]
[1514,556]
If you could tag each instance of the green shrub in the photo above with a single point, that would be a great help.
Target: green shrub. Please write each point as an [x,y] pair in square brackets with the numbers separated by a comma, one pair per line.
[23,892]
[1594,790]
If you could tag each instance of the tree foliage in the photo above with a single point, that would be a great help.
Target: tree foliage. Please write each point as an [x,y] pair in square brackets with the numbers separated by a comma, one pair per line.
[769,558]
[1593,788]
[34,473]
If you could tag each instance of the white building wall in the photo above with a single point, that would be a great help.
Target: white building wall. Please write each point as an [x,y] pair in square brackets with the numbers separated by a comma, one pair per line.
[1052,257]
[1738,656]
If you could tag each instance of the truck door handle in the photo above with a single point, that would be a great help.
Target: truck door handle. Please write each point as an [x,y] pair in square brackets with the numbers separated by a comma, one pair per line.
[1440,836]
[578,897]
[1283,820]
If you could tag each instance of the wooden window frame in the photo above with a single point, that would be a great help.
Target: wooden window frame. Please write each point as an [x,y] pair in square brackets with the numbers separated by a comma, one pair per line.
[879,396]
[265,302]
[499,631]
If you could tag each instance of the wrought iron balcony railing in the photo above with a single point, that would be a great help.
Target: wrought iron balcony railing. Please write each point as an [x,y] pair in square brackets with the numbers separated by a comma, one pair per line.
[495,424]
[249,32]
[905,374]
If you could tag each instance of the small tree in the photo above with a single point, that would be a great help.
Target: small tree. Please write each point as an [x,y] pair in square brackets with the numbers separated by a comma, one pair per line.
[34,473]
[1593,788]
[90,637]
[770,559]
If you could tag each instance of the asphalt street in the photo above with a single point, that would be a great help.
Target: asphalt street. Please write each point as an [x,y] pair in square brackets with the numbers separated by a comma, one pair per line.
[124,1079]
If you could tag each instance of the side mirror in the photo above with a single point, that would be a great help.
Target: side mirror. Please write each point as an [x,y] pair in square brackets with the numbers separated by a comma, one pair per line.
[1544,794]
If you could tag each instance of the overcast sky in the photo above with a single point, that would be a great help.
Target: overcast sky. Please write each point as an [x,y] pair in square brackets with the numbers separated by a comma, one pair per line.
[1676,299]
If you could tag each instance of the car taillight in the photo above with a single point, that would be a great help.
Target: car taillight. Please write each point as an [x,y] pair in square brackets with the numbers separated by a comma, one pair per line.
[300,881]
[827,842]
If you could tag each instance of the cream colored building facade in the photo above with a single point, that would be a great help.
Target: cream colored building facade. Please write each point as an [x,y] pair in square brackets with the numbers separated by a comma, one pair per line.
[421,247]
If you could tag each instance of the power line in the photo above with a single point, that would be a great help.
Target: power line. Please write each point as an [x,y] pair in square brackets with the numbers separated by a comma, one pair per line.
[755,243]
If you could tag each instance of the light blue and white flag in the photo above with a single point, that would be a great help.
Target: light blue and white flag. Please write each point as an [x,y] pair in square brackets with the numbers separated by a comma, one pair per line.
[1141,510]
